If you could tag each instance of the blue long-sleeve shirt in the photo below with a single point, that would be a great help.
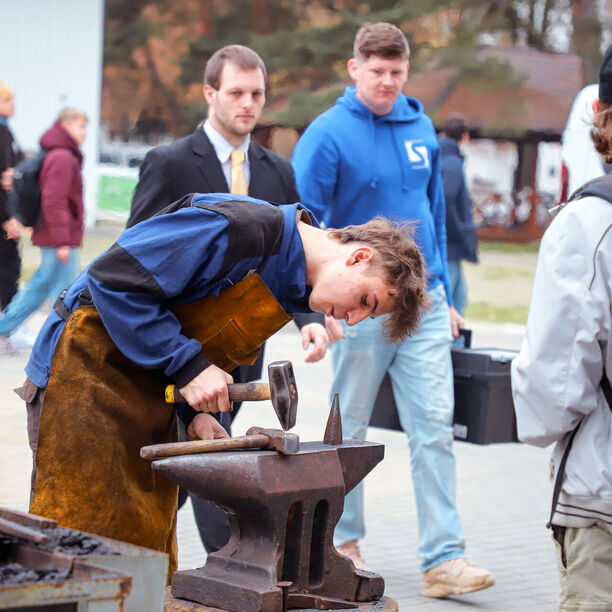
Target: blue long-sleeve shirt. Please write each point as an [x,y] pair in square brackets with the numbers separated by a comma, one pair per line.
[352,165]
[179,257]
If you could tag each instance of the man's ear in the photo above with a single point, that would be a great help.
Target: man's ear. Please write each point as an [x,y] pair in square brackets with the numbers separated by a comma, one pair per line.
[353,68]
[595,106]
[209,92]
[360,255]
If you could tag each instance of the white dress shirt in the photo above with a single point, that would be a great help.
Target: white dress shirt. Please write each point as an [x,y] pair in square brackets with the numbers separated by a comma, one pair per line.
[224,149]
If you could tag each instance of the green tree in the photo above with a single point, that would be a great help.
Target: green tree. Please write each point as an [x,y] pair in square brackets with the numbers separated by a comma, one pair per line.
[587,35]
[306,43]
[301,56]
[126,30]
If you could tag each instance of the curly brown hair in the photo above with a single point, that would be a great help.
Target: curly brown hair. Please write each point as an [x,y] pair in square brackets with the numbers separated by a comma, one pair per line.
[402,266]
[602,131]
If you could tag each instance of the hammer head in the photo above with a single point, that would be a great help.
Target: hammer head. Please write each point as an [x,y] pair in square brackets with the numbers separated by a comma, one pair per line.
[283,392]
[278,440]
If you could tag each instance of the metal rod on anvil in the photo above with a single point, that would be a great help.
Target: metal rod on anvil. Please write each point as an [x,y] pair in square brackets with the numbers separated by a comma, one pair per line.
[257,437]
[25,533]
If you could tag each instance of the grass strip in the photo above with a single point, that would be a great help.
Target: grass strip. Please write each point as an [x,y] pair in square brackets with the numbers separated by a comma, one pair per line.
[482,311]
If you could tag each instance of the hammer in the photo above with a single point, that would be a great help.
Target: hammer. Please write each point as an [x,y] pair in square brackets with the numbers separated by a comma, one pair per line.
[256,437]
[281,390]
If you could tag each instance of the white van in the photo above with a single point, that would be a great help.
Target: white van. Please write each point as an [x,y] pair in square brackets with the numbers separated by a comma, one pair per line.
[580,160]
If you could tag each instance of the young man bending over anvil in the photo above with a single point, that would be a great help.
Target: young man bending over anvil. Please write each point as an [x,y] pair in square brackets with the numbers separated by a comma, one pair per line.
[183,297]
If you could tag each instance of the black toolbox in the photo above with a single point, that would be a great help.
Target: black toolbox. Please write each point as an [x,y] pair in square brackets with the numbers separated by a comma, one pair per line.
[484,412]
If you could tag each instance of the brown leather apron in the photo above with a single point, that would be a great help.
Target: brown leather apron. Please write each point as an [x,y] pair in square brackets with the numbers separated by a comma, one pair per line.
[100,408]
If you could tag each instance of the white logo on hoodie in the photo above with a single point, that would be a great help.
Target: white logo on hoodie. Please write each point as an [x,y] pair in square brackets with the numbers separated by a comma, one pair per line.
[417,153]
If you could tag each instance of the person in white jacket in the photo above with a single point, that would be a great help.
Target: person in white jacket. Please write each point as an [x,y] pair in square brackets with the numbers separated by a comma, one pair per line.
[561,378]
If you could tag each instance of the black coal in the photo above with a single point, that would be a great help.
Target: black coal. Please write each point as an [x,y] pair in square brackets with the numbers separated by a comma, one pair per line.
[74,543]
[15,573]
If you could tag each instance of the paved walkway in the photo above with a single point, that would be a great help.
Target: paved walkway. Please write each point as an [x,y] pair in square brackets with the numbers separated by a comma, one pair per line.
[503,491]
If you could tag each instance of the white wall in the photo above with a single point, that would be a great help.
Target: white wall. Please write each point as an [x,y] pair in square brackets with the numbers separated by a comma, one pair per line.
[494,163]
[548,170]
[51,56]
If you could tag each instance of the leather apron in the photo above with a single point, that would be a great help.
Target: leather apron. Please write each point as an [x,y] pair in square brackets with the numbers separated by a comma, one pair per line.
[100,408]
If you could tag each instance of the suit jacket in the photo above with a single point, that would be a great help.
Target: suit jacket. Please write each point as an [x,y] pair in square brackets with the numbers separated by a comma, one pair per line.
[191,165]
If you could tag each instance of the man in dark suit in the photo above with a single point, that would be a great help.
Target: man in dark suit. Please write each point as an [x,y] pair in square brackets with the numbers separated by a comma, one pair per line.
[234,88]
[219,157]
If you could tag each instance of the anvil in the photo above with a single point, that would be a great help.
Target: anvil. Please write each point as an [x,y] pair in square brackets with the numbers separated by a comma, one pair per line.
[283,510]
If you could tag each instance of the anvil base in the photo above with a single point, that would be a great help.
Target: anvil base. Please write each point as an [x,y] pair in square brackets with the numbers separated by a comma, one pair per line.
[173,604]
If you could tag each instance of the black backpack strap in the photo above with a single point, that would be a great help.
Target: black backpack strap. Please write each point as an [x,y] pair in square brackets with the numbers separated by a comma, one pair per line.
[560,475]
[607,389]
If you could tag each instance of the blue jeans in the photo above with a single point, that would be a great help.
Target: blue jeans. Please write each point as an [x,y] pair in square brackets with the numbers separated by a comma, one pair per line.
[48,281]
[458,286]
[421,375]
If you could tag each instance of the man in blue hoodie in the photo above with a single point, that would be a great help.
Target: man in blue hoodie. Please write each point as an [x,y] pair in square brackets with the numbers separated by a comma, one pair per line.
[375,153]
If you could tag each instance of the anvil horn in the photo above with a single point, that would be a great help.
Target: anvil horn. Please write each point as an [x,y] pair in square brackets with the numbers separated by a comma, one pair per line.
[357,460]
[333,430]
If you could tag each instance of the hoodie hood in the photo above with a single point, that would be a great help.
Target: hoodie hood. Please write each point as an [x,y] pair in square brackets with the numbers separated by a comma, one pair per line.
[405,109]
[57,136]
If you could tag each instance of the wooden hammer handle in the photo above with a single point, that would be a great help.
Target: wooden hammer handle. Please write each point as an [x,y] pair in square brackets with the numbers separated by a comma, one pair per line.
[238,392]
[174,449]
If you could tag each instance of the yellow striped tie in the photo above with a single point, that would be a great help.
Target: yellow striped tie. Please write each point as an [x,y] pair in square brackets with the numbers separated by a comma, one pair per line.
[239,184]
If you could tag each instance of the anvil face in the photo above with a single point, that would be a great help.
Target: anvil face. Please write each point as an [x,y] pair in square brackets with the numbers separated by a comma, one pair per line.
[283,510]
[231,475]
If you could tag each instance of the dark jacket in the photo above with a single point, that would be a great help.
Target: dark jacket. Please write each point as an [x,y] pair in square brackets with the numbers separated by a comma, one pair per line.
[136,282]
[460,230]
[190,165]
[61,188]
[9,156]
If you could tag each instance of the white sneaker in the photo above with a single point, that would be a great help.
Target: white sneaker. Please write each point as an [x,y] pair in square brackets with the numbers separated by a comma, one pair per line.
[455,577]
[6,346]
[23,338]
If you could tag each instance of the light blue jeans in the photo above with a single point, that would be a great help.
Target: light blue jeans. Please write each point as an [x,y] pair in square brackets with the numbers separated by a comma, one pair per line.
[48,281]
[458,286]
[422,378]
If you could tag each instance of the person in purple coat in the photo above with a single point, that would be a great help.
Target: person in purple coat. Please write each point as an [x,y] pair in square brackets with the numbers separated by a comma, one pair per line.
[59,233]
